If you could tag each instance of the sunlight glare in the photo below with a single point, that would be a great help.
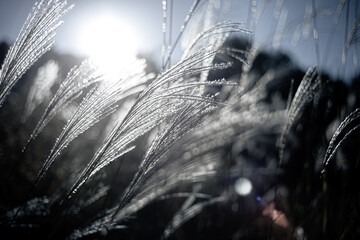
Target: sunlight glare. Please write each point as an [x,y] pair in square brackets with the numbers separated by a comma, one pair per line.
[111,43]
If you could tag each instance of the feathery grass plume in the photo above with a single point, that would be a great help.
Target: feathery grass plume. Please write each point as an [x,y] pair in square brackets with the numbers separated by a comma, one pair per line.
[305,93]
[346,127]
[169,163]
[188,116]
[99,102]
[208,28]
[218,31]
[218,131]
[155,104]
[195,158]
[184,121]
[187,108]
[212,38]
[78,79]
[34,39]
[45,78]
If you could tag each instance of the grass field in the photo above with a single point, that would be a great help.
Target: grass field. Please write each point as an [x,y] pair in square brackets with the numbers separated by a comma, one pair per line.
[237,140]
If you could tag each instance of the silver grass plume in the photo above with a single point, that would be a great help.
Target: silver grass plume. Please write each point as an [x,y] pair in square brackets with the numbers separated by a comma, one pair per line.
[194,158]
[142,198]
[212,38]
[78,79]
[232,122]
[45,78]
[99,102]
[217,32]
[157,103]
[200,143]
[340,135]
[305,93]
[34,39]
[184,121]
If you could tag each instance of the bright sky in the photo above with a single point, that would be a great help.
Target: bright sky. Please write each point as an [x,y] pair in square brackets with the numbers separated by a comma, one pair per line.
[143,19]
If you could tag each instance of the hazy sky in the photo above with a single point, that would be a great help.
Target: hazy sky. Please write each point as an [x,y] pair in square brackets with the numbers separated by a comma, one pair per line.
[145,17]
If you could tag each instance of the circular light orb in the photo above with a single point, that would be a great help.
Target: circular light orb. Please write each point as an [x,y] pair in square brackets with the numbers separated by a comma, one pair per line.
[109,42]
[243,186]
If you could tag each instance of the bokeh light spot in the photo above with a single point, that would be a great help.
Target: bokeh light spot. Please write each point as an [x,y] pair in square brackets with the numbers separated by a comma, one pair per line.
[243,186]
